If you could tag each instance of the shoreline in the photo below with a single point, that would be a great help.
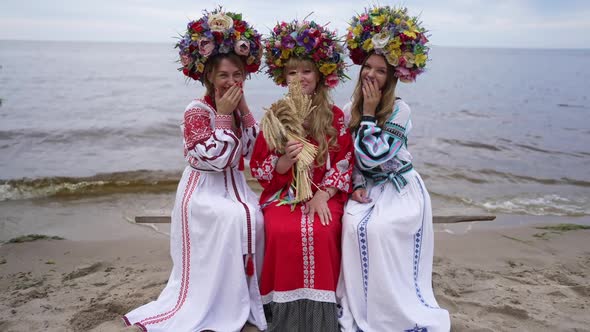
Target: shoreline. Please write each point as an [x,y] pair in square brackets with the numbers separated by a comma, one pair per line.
[112,217]
[505,279]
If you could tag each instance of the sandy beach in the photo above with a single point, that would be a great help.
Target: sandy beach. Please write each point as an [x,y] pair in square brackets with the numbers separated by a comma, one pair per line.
[505,279]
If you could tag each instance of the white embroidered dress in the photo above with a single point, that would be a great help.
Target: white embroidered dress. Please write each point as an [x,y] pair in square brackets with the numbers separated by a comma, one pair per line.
[216,223]
[387,245]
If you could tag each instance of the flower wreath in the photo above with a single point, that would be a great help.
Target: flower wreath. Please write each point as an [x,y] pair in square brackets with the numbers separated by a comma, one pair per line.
[307,40]
[218,32]
[390,32]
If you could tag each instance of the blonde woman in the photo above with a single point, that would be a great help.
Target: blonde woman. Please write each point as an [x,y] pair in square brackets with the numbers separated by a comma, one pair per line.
[387,235]
[302,239]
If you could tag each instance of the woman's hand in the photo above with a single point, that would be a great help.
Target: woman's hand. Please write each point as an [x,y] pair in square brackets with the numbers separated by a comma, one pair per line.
[227,103]
[242,105]
[360,195]
[319,204]
[371,96]
[286,161]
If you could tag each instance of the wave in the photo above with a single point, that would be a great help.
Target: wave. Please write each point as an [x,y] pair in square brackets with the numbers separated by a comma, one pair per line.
[474,114]
[471,144]
[529,204]
[540,205]
[525,178]
[486,175]
[147,181]
[570,105]
[155,131]
[536,149]
[141,181]
[505,144]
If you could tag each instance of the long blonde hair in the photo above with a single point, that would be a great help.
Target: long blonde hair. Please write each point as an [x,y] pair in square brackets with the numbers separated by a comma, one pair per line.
[385,106]
[319,122]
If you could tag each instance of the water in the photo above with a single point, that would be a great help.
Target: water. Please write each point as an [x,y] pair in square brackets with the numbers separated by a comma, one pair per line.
[495,130]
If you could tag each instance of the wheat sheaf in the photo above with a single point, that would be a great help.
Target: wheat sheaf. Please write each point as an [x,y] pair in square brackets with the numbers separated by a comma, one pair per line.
[283,122]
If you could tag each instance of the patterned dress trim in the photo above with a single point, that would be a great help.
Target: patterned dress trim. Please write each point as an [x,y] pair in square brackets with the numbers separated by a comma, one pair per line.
[307,249]
[317,295]
[186,259]
[417,329]
[364,250]
[417,248]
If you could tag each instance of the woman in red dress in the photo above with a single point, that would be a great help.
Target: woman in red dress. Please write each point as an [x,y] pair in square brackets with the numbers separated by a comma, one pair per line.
[302,239]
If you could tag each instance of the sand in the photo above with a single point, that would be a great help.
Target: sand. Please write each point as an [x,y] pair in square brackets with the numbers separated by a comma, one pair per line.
[515,279]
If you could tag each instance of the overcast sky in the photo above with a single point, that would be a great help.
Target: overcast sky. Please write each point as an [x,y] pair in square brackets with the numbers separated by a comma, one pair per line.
[469,23]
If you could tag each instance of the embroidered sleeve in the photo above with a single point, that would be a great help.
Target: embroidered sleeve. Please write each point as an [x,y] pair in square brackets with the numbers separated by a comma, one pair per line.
[339,175]
[213,146]
[263,167]
[197,127]
[249,133]
[374,145]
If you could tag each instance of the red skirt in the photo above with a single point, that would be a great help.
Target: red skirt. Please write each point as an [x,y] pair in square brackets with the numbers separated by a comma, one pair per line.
[302,256]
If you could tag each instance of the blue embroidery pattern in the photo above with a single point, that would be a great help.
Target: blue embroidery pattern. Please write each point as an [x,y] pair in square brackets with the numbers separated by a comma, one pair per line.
[417,251]
[417,329]
[364,250]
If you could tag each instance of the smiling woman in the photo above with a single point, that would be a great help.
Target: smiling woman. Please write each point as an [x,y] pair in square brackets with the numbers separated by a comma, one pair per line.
[224,72]
[216,217]
[302,231]
[390,209]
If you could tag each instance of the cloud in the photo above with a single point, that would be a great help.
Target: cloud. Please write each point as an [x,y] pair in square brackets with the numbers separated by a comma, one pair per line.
[509,23]
[518,23]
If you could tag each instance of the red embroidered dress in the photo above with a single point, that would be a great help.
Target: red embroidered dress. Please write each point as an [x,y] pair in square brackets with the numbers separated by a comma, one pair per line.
[216,222]
[302,257]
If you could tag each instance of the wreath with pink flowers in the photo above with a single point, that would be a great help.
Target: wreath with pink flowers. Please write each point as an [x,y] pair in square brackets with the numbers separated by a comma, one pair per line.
[305,40]
[218,32]
[390,32]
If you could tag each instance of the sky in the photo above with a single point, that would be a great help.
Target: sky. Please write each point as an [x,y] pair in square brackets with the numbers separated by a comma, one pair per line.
[459,23]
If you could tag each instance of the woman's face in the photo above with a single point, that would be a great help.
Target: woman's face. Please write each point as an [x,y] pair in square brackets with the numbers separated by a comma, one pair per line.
[226,75]
[308,76]
[375,69]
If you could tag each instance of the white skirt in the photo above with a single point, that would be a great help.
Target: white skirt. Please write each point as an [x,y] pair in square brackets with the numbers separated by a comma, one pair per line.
[387,250]
[208,289]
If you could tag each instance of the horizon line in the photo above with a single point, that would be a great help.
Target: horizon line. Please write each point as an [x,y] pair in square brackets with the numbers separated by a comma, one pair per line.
[161,42]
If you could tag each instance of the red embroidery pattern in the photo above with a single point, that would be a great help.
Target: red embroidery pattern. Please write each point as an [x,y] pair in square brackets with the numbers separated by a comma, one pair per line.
[339,176]
[248,216]
[248,120]
[197,127]
[223,121]
[264,172]
[308,250]
[343,130]
[186,256]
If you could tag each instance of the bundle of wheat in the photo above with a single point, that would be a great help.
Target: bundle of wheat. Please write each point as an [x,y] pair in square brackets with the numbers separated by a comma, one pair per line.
[283,122]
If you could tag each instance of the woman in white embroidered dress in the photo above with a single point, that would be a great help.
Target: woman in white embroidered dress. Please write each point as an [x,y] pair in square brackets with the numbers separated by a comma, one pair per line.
[216,222]
[387,234]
